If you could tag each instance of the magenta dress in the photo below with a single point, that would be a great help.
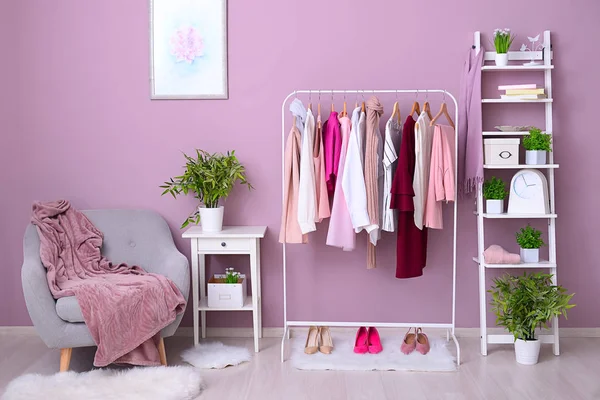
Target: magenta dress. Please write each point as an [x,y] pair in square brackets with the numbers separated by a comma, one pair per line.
[332,143]
[341,232]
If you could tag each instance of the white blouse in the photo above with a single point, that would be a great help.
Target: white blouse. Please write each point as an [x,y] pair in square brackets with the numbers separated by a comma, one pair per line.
[423,141]
[307,192]
[393,134]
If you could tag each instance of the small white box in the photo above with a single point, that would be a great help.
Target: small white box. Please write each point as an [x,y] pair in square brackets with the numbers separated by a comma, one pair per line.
[501,151]
[226,295]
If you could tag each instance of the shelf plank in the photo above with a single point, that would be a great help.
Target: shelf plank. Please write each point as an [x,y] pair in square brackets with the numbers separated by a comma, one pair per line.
[516,101]
[517,216]
[228,232]
[204,306]
[540,67]
[509,133]
[520,166]
[541,264]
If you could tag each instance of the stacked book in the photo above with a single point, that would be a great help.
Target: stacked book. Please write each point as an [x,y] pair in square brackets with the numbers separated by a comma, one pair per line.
[522,92]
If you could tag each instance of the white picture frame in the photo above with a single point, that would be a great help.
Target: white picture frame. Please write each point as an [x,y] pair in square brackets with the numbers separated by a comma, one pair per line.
[188,49]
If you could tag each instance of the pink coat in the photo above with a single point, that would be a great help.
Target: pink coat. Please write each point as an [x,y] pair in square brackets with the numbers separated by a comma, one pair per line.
[290,228]
[341,232]
[441,176]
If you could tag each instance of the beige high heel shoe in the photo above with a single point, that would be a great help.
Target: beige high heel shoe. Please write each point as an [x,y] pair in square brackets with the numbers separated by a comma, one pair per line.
[312,340]
[326,346]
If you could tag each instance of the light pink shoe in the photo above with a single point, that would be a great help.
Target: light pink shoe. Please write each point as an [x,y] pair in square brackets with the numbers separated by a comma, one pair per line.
[422,342]
[361,343]
[409,343]
[374,341]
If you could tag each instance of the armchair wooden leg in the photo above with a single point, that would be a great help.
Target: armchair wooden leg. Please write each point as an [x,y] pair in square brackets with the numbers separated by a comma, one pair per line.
[161,352]
[65,359]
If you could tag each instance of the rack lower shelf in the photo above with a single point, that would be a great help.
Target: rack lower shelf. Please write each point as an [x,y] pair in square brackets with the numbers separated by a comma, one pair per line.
[517,216]
[204,306]
[541,264]
[520,166]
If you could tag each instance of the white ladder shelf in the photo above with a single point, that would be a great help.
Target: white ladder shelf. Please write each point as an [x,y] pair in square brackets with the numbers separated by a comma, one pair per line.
[546,56]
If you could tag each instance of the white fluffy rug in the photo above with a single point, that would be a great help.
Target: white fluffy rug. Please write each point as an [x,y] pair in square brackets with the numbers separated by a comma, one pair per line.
[146,383]
[391,358]
[215,355]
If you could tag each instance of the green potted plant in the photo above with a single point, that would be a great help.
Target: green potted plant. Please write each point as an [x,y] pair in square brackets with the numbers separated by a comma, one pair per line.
[494,192]
[530,241]
[502,41]
[537,145]
[210,177]
[524,303]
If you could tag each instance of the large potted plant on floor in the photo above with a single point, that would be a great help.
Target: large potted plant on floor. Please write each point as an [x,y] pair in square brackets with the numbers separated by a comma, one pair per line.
[530,241]
[494,193]
[211,178]
[524,303]
[537,146]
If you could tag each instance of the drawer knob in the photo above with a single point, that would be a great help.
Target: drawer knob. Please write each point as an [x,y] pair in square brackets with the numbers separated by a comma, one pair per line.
[223,244]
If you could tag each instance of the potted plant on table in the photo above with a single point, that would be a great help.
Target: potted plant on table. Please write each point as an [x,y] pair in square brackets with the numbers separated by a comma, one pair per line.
[211,178]
[502,41]
[494,193]
[530,241]
[524,303]
[537,145]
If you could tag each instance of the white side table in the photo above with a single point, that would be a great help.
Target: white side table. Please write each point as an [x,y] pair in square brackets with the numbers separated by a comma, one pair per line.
[231,240]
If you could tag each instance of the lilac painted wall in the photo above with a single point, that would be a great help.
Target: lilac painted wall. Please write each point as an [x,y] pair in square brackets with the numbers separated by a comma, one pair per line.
[86,130]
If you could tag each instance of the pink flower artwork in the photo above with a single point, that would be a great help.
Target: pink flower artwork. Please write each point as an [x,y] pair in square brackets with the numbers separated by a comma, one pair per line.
[187,44]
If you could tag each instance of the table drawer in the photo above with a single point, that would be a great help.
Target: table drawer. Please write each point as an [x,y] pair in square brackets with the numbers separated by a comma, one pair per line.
[224,245]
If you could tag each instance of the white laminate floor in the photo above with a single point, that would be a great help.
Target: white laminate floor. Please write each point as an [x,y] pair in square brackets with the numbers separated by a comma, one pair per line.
[572,376]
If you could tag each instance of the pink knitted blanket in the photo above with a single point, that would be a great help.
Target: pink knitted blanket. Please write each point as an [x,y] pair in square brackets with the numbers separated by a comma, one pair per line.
[123,307]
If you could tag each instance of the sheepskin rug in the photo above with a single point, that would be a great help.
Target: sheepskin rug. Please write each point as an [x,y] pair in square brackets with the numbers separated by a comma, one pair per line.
[143,383]
[215,355]
[391,358]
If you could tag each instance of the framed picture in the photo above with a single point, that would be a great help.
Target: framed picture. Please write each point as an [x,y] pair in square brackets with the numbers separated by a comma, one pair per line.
[188,49]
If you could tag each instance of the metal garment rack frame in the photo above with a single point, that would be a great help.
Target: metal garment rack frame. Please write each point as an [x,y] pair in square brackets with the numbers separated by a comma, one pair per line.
[450,327]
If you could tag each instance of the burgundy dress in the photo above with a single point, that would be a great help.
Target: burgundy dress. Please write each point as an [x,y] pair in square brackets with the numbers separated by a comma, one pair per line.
[411,246]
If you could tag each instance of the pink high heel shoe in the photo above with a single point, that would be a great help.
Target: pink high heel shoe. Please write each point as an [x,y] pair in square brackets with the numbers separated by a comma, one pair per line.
[422,342]
[374,341]
[361,343]
[409,343]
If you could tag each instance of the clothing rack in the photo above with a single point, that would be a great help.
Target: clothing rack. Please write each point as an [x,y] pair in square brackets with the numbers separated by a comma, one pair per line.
[448,326]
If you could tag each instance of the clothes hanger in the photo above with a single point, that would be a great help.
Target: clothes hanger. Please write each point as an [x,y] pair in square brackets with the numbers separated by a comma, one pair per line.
[356,102]
[309,100]
[319,105]
[332,107]
[426,107]
[416,108]
[363,102]
[344,111]
[443,111]
[396,110]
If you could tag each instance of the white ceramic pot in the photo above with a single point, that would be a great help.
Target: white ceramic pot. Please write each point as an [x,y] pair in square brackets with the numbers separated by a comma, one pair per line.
[494,206]
[211,219]
[527,352]
[501,59]
[530,255]
[535,157]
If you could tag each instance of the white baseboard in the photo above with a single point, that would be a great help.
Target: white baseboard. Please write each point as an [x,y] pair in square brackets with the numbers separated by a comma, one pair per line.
[278,331]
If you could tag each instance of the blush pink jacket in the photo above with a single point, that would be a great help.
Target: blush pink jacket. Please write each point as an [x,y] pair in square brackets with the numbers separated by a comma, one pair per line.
[290,228]
[441,176]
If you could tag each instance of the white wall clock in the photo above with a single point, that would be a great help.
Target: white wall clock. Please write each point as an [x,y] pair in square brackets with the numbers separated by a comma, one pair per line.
[528,193]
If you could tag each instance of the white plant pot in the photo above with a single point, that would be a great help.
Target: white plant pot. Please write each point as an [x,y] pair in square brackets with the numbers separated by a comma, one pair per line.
[211,219]
[527,352]
[530,255]
[535,157]
[494,206]
[501,59]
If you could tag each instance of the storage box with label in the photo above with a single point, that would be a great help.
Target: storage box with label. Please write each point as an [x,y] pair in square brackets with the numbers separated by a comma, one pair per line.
[226,295]
[501,151]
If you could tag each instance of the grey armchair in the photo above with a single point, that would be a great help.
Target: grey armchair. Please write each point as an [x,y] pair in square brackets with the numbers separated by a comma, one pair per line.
[135,237]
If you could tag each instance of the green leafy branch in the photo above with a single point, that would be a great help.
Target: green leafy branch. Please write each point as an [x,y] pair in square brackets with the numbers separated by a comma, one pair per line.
[210,177]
